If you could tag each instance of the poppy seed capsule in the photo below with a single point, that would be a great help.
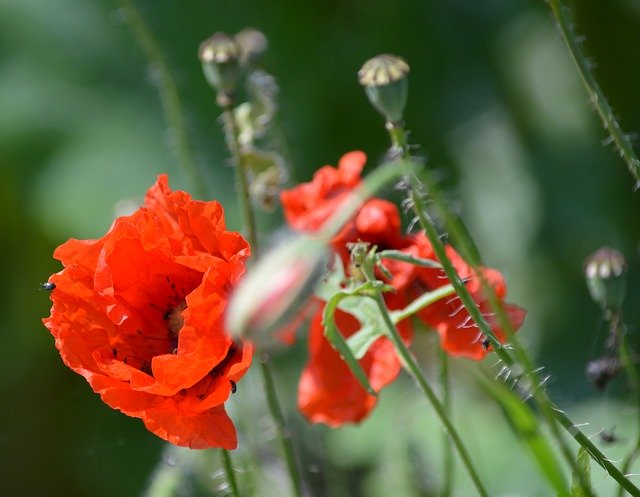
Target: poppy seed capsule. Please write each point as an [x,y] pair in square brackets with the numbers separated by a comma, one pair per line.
[220,57]
[385,82]
[605,273]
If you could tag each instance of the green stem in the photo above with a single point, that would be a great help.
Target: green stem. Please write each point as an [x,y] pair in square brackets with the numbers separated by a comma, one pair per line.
[411,366]
[265,368]
[446,403]
[242,180]
[283,432]
[169,96]
[424,300]
[597,97]
[634,383]
[525,368]
[229,472]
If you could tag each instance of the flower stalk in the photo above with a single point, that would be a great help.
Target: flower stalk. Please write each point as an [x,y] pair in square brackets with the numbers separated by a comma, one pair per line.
[410,364]
[596,95]
[168,93]
[229,473]
[249,222]
[523,364]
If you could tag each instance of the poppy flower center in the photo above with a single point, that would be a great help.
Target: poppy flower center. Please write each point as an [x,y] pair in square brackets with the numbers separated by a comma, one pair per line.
[174,320]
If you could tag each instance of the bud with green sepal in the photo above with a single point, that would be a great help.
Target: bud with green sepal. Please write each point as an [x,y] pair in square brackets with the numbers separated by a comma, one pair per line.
[384,78]
[606,275]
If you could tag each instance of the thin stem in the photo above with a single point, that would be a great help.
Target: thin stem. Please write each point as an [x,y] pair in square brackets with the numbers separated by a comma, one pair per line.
[283,432]
[597,97]
[424,300]
[242,180]
[525,368]
[634,383]
[411,366]
[168,93]
[252,234]
[229,472]
[448,462]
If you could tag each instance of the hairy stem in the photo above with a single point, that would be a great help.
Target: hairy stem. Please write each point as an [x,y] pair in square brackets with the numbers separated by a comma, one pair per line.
[523,368]
[411,366]
[598,100]
[168,93]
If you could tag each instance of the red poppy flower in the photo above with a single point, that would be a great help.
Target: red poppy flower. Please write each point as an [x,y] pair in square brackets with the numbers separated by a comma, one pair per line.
[328,392]
[309,205]
[138,313]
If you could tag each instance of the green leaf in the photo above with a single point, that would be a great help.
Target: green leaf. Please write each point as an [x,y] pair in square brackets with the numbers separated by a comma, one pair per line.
[526,427]
[338,342]
[584,463]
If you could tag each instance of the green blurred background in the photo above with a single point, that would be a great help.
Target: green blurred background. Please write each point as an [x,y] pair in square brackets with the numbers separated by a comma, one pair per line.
[495,104]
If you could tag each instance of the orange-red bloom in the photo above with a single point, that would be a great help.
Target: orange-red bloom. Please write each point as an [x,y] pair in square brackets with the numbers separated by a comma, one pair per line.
[138,313]
[328,392]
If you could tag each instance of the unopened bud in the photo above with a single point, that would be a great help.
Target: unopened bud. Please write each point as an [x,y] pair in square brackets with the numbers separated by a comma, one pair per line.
[274,291]
[220,57]
[385,82]
[606,275]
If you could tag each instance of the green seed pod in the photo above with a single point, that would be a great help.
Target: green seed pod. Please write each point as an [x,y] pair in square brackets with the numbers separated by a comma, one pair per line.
[220,57]
[385,82]
[606,275]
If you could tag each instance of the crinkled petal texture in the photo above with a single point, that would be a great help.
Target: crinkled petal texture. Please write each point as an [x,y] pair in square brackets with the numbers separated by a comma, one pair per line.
[139,314]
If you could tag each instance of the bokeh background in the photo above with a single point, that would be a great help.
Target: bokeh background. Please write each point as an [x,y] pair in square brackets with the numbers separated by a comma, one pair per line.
[495,104]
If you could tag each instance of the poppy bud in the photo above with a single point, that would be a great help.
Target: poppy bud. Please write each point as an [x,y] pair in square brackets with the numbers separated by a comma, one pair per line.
[220,57]
[384,78]
[274,290]
[605,272]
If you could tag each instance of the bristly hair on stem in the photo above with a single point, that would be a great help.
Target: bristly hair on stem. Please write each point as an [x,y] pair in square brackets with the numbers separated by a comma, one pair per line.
[619,138]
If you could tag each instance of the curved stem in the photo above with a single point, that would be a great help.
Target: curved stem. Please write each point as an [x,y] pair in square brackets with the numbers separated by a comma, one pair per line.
[411,366]
[252,234]
[599,101]
[634,383]
[284,434]
[229,472]
[523,367]
[242,180]
[169,96]
[446,403]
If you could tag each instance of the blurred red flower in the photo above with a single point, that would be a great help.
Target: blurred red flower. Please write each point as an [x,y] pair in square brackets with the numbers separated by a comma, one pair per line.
[138,313]
[308,206]
[328,392]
